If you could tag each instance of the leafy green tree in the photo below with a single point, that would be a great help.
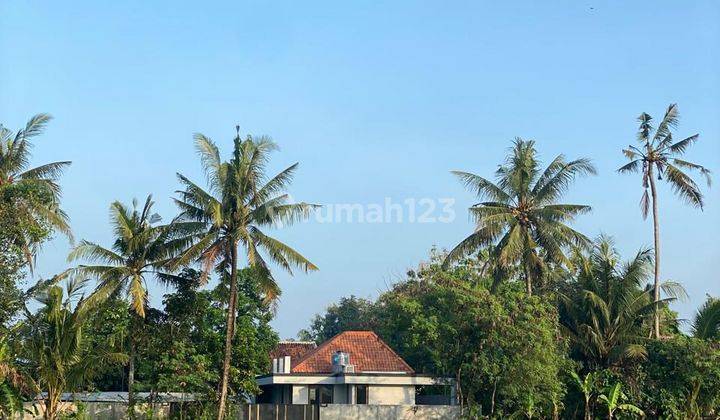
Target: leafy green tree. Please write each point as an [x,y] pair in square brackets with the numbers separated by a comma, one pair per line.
[350,313]
[141,250]
[706,324]
[185,349]
[58,356]
[239,202]
[500,347]
[30,197]
[605,309]
[613,402]
[659,151]
[681,379]
[523,221]
[110,326]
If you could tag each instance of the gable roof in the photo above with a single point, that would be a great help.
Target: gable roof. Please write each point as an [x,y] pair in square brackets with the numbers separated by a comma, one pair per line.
[368,353]
[295,349]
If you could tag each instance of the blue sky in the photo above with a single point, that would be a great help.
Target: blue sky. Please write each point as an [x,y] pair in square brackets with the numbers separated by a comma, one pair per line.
[375,100]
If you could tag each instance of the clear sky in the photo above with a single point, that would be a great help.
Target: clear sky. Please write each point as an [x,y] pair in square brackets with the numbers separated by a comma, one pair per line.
[375,100]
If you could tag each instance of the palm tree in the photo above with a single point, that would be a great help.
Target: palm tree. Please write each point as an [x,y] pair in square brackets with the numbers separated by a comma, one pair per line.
[32,194]
[707,321]
[58,355]
[142,249]
[659,152]
[604,312]
[240,200]
[522,220]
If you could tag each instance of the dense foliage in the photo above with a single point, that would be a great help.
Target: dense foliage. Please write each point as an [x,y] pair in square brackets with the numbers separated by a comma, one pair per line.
[180,347]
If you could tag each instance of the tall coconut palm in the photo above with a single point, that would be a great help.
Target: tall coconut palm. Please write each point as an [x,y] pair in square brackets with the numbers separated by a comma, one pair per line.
[239,201]
[141,250]
[32,193]
[522,221]
[57,354]
[658,156]
[707,320]
[607,307]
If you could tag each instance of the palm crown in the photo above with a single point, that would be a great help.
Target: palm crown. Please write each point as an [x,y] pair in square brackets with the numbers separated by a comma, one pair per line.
[142,248]
[238,203]
[32,193]
[522,221]
[660,152]
[604,317]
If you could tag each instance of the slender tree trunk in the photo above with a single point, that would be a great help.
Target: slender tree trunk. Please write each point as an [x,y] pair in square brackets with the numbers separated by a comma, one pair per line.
[131,372]
[656,232]
[492,399]
[587,408]
[51,405]
[229,333]
[528,280]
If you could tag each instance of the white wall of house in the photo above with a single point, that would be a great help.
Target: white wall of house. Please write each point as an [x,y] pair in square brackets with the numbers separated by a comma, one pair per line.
[391,395]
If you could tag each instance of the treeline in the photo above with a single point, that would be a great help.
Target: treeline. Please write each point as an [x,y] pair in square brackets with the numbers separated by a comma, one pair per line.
[547,355]
[530,316]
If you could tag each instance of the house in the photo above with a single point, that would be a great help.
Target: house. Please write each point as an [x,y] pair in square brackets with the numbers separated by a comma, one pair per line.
[354,367]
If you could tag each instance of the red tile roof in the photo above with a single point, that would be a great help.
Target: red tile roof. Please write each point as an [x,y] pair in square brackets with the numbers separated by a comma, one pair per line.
[368,353]
[295,349]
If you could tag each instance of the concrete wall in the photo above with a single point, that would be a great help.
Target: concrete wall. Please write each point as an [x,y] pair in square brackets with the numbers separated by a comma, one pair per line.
[99,410]
[347,412]
[118,411]
[391,395]
[388,412]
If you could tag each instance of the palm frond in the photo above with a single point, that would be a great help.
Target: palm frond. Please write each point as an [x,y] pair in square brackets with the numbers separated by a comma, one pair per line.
[706,324]
[684,186]
[669,121]
[94,252]
[632,166]
[482,187]
[49,171]
[482,237]
[681,146]
[689,165]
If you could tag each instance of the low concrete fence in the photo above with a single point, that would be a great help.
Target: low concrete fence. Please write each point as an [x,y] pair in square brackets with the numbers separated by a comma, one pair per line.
[118,411]
[348,412]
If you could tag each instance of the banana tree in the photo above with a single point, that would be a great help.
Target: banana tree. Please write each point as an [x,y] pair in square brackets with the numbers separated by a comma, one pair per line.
[586,386]
[613,404]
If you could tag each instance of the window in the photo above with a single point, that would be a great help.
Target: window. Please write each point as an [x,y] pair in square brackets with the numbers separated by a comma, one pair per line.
[361,394]
[320,394]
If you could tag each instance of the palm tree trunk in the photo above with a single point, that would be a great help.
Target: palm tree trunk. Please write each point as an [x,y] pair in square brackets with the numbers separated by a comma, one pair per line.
[229,333]
[51,405]
[656,232]
[131,371]
[528,280]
